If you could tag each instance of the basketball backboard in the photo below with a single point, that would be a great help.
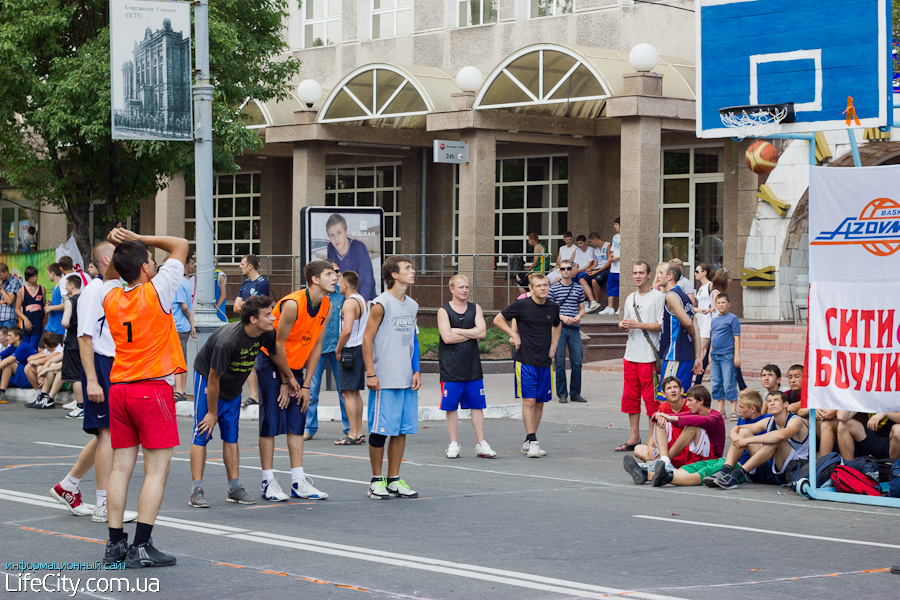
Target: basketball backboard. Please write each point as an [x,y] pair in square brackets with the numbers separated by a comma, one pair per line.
[813,53]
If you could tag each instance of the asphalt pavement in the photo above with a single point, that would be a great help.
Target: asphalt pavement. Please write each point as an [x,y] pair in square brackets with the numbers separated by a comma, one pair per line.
[571,524]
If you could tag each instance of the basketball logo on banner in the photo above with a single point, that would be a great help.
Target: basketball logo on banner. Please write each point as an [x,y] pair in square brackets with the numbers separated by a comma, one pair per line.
[877,229]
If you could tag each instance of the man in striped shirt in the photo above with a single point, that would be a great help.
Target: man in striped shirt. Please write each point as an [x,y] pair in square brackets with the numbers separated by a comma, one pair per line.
[570,297]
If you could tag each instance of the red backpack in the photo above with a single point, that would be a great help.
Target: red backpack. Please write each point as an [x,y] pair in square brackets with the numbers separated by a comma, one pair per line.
[850,481]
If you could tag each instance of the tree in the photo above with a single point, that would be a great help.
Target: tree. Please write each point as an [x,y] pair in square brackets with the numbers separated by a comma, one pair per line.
[55,123]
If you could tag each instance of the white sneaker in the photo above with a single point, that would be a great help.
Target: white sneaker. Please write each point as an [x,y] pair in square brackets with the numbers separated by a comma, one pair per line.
[304,489]
[71,405]
[101,515]
[534,450]
[607,311]
[617,311]
[527,446]
[272,492]
[452,450]
[484,450]
[593,306]
[75,413]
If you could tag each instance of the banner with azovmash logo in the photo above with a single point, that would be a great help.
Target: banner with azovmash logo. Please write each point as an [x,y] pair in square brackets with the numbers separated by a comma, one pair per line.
[854,296]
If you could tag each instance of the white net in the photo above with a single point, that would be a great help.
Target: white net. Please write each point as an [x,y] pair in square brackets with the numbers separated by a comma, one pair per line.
[755,121]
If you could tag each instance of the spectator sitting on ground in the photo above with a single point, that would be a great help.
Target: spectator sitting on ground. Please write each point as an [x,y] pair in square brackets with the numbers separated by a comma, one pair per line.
[703,434]
[773,443]
[673,405]
[4,343]
[13,361]
[878,435]
[795,381]
[770,378]
[44,371]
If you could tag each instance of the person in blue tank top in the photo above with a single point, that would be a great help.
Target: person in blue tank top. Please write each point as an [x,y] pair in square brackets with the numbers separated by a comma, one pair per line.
[679,341]
[55,308]
[221,299]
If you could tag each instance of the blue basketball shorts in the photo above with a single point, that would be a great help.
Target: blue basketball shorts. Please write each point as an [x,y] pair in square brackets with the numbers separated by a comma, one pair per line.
[534,382]
[462,394]
[393,411]
[612,285]
[274,420]
[229,416]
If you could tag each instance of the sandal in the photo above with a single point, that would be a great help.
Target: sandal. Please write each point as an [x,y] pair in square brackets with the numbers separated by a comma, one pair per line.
[248,402]
[626,447]
[361,439]
[179,397]
[734,417]
[345,441]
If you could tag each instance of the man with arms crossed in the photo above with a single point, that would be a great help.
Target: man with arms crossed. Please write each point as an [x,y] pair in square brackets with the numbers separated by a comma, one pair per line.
[461,325]
[221,368]
[352,373]
[391,353]
[539,328]
[640,352]
[141,399]
[300,318]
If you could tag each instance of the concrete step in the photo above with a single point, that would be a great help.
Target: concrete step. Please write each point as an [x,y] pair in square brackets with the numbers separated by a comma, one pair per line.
[786,329]
[596,352]
[773,345]
[780,337]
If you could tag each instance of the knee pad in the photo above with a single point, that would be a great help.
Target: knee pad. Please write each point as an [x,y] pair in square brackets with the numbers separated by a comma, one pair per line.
[376,440]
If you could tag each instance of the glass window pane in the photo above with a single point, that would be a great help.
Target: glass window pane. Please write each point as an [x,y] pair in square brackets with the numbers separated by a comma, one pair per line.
[365,198]
[539,223]
[330,175]
[346,179]
[379,4]
[333,32]
[385,176]
[709,160]
[225,184]
[256,206]
[407,100]
[404,22]
[365,178]
[512,224]
[464,15]
[514,169]
[223,250]
[562,195]
[190,230]
[334,8]
[255,231]
[580,84]
[242,207]
[538,196]
[676,220]
[564,7]
[675,247]
[330,200]
[503,90]
[256,183]
[538,169]
[224,230]
[676,162]
[242,249]
[383,25]
[345,199]
[389,227]
[676,191]
[361,87]
[562,222]
[513,197]
[189,207]
[490,13]
[224,207]
[512,246]
[525,69]
[386,201]
[561,168]
[242,184]
[315,9]
[242,230]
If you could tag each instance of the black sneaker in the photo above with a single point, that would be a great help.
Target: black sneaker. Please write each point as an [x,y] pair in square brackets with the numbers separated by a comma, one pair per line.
[36,402]
[563,398]
[146,555]
[116,552]
[46,402]
[637,472]
[662,475]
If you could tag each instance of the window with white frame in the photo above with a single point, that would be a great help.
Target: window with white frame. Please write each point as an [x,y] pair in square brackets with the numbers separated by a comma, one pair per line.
[236,200]
[371,185]
[321,23]
[391,18]
[550,8]
[476,12]
[530,195]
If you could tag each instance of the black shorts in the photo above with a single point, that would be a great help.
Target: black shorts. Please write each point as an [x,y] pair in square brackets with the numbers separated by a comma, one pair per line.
[355,378]
[71,365]
[875,444]
[601,278]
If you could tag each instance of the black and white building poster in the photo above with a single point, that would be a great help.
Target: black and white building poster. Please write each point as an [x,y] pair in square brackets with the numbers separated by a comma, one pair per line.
[150,59]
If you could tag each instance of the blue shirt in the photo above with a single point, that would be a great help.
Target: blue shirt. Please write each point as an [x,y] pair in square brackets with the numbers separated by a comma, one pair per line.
[258,287]
[722,332]
[183,295]
[54,318]
[220,310]
[568,297]
[22,352]
[333,329]
[675,341]
[357,260]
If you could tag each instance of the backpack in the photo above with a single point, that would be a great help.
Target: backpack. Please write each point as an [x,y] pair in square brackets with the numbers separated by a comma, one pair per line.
[865,464]
[894,485]
[850,481]
[799,469]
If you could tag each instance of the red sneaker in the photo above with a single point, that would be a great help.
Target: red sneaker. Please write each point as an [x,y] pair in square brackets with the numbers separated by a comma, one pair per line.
[71,500]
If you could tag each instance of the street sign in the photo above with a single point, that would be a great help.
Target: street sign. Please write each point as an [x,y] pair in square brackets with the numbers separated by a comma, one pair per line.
[446,151]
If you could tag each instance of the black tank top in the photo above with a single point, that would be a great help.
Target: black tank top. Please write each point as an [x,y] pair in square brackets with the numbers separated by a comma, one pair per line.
[460,362]
[71,342]
[33,307]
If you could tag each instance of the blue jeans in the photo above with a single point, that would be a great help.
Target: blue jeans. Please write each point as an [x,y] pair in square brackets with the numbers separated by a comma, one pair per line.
[9,323]
[312,417]
[724,382]
[570,338]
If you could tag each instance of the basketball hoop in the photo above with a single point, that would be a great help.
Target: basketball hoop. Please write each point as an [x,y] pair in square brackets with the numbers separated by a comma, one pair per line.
[757,121]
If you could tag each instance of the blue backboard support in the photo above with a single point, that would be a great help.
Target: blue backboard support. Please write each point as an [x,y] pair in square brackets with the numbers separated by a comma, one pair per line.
[813,53]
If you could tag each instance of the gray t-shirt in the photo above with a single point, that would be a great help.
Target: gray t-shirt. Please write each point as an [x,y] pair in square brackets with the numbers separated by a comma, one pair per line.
[395,341]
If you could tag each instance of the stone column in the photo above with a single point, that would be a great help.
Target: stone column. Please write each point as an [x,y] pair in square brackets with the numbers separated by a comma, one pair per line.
[738,212]
[640,189]
[53,227]
[476,214]
[590,206]
[169,211]
[308,185]
[410,199]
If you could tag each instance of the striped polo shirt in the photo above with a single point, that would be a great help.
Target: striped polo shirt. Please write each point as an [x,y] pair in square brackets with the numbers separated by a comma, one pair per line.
[568,302]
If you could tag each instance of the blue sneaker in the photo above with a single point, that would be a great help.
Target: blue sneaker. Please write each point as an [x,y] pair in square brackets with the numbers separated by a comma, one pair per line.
[725,481]
[304,489]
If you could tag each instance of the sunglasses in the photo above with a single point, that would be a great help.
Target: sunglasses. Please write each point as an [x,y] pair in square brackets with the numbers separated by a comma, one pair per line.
[565,268]
[699,271]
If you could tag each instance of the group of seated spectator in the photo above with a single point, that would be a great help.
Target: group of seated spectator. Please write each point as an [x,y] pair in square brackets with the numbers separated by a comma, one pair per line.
[687,445]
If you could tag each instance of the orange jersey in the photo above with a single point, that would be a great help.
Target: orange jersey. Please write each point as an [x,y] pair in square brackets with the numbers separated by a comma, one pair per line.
[306,329]
[147,345]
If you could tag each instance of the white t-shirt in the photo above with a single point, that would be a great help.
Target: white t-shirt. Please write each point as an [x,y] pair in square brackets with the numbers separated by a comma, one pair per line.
[602,255]
[583,257]
[58,348]
[686,285]
[617,253]
[567,252]
[92,320]
[650,305]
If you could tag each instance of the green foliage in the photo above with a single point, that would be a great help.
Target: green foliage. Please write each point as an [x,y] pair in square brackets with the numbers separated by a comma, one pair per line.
[55,123]
[494,338]
[429,338]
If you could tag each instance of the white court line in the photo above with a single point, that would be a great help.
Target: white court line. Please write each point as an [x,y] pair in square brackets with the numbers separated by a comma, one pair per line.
[770,532]
[513,578]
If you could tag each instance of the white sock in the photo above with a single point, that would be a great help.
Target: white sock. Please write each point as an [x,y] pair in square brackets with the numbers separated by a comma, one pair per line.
[268,474]
[297,474]
[666,460]
[69,483]
[101,497]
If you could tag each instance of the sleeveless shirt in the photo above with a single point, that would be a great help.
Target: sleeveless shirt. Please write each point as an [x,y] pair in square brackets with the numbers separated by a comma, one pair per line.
[33,307]
[359,325]
[306,330]
[675,341]
[394,342]
[460,362]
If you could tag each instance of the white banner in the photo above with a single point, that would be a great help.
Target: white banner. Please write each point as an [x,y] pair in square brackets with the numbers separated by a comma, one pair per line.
[854,297]
[854,347]
[854,223]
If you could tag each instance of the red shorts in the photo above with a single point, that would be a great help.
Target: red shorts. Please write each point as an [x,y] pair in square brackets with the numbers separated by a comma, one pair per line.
[638,383]
[690,454]
[142,413]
